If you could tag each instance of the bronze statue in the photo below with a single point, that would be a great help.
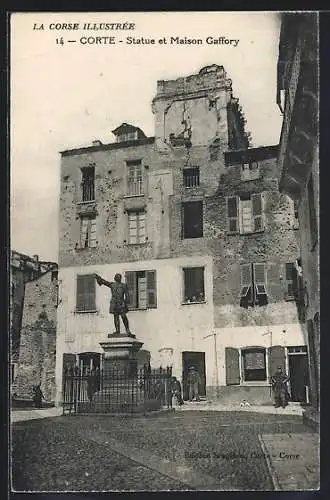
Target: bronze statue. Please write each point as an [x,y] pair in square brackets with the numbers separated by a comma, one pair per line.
[118,302]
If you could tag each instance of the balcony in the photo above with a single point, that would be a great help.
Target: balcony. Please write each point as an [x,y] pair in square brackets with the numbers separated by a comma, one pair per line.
[86,208]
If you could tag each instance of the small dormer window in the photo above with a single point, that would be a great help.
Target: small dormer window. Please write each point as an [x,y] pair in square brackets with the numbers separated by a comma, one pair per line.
[128,136]
[250,171]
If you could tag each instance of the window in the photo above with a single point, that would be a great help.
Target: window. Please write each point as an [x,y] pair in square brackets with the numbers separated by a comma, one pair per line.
[253,364]
[312,213]
[245,213]
[88,232]
[193,284]
[250,171]
[88,183]
[136,227]
[129,136]
[85,293]
[253,285]
[142,289]
[191,177]
[134,179]
[192,219]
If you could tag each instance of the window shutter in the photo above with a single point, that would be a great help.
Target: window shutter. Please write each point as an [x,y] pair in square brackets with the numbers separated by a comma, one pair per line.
[85,293]
[232,214]
[232,366]
[151,289]
[90,293]
[260,278]
[141,222]
[289,273]
[276,358]
[83,231]
[132,227]
[80,305]
[246,279]
[93,233]
[142,291]
[294,281]
[257,211]
[130,278]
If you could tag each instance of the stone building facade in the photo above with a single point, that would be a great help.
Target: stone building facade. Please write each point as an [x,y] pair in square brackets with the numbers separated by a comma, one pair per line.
[298,162]
[33,325]
[192,218]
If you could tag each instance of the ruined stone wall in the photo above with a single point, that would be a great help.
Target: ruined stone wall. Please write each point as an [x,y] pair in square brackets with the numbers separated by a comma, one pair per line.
[16,309]
[38,339]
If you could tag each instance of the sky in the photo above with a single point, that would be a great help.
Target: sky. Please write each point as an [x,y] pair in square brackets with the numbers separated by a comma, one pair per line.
[66,96]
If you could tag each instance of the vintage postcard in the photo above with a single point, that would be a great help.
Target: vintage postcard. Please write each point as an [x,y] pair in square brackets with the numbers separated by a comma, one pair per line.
[164,309]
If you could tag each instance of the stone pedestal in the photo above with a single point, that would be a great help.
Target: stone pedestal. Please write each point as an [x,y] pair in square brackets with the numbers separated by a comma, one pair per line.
[119,391]
[120,354]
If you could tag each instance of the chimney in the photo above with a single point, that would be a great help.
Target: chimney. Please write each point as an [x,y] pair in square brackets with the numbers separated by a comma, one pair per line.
[35,257]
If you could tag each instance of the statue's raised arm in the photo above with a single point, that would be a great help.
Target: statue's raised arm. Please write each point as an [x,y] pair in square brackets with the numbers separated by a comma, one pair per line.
[100,281]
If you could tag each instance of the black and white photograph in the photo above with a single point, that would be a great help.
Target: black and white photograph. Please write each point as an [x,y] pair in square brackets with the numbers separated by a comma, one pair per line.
[164,255]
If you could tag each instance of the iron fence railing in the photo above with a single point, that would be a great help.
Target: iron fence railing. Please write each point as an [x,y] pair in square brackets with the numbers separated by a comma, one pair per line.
[116,391]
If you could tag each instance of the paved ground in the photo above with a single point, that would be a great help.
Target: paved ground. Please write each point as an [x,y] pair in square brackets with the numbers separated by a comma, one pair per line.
[291,409]
[32,414]
[293,460]
[195,450]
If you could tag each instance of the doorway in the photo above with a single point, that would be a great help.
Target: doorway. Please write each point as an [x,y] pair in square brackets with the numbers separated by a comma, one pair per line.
[89,361]
[298,372]
[197,359]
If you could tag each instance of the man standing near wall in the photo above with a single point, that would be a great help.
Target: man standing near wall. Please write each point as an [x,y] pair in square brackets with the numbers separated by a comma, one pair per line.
[193,380]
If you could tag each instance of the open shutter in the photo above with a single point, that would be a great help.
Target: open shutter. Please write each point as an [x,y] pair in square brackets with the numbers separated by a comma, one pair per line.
[132,227]
[232,366]
[151,289]
[295,284]
[232,214]
[83,231]
[80,303]
[142,290]
[289,277]
[246,279]
[141,222]
[260,278]
[92,242]
[130,278]
[90,293]
[276,358]
[257,212]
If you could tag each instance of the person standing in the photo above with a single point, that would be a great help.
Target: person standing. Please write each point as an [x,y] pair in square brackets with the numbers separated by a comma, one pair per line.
[176,390]
[194,381]
[279,383]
